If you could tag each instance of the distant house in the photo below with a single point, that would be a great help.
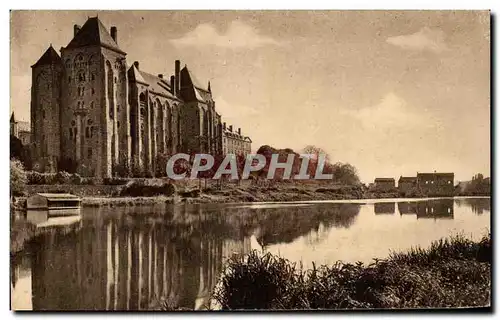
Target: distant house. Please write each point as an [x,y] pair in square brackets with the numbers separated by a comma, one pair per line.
[436,184]
[406,183]
[385,184]
[20,130]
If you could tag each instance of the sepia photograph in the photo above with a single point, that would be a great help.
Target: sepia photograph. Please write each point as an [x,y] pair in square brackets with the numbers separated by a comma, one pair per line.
[223,160]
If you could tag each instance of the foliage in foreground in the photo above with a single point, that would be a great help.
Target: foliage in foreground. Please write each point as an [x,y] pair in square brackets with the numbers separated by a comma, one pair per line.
[454,272]
[17,177]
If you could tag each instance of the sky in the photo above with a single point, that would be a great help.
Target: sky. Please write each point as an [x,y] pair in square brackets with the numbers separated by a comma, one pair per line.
[390,92]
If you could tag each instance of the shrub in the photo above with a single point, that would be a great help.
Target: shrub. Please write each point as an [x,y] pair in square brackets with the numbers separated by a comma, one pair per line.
[140,189]
[454,272]
[62,177]
[18,177]
[76,179]
[115,181]
[35,177]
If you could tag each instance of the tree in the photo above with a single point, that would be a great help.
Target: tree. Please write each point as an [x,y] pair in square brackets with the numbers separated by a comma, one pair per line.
[20,152]
[345,173]
[18,178]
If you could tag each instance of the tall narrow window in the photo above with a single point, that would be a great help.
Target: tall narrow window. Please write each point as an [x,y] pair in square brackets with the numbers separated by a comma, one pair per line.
[89,152]
[87,132]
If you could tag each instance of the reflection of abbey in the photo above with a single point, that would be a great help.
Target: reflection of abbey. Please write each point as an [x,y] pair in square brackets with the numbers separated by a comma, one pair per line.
[92,112]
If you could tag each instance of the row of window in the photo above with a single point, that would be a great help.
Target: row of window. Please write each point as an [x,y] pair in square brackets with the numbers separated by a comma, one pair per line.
[81,91]
[81,77]
[432,182]
[89,132]
[81,104]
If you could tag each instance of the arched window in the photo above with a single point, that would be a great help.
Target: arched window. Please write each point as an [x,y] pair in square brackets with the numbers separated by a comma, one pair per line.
[81,76]
[91,104]
[92,76]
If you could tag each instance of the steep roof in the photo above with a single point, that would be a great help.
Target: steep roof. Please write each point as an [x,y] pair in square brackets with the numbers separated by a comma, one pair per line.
[49,57]
[200,94]
[135,75]
[93,32]
[156,84]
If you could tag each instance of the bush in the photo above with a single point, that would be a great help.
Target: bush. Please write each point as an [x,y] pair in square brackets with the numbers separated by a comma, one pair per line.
[34,177]
[76,179]
[62,177]
[141,189]
[454,272]
[115,181]
[18,178]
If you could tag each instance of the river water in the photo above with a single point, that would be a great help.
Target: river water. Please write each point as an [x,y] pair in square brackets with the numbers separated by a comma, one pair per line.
[128,258]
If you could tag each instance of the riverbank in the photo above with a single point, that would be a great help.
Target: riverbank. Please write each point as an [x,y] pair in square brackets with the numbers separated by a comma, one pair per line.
[243,192]
[453,272]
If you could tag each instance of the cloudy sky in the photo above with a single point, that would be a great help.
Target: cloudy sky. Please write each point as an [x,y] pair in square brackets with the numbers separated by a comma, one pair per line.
[392,93]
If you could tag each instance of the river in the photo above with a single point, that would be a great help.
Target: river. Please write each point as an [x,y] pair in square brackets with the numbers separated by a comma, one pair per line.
[128,258]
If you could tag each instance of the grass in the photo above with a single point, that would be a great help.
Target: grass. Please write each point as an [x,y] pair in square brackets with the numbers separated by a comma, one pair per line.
[453,272]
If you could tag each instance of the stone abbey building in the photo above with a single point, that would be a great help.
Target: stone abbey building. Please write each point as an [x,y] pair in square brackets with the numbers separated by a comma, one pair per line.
[93,112]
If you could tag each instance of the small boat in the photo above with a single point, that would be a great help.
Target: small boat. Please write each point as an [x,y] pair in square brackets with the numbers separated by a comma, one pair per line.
[58,204]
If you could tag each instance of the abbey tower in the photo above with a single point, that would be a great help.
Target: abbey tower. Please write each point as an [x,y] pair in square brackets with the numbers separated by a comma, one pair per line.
[94,114]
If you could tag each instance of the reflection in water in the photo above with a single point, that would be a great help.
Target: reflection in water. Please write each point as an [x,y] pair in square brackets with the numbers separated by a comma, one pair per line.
[114,265]
[385,207]
[434,209]
[128,258]
[478,205]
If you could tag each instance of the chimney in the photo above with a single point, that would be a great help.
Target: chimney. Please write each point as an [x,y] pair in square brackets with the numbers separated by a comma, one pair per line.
[114,34]
[231,128]
[76,29]
[172,84]
[177,76]
[224,126]
[160,75]
[136,64]
[239,131]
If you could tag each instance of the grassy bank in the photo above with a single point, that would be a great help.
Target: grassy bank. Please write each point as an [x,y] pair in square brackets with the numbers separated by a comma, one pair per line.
[454,272]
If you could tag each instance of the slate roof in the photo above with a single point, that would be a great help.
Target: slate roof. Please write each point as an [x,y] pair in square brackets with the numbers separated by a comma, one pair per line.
[156,84]
[202,94]
[93,32]
[50,56]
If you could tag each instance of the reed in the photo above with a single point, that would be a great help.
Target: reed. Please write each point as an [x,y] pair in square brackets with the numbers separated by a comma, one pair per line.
[452,272]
